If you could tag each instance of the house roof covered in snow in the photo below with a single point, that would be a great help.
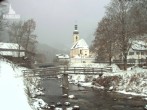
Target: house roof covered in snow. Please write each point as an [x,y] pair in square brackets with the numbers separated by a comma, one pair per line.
[11,49]
[80,44]
[60,56]
[10,46]
[139,45]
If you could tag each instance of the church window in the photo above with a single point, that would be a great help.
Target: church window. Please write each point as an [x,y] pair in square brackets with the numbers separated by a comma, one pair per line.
[76,38]
[80,51]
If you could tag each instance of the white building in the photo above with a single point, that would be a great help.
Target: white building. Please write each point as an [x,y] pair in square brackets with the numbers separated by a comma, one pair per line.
[137,53]
[11,50]
[79,51]
[62,57]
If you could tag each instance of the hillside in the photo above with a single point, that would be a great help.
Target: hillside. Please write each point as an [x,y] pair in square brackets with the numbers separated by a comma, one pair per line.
[49,52]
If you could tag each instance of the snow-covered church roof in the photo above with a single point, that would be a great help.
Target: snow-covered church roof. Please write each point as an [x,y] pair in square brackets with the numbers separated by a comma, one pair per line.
[80,44]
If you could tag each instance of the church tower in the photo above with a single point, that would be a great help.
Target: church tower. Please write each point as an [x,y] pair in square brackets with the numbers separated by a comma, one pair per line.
[76,35]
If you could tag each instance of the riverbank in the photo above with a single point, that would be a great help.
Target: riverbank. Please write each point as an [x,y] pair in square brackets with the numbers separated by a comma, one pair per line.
[133,81]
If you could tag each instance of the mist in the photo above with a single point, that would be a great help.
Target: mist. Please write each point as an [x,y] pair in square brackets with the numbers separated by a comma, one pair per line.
[55,19]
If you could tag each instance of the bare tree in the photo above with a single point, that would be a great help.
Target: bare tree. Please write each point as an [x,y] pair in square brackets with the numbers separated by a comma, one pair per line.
[105,41]
[138,13]
[29,27]
[118,10]
[22,34]
[16,34]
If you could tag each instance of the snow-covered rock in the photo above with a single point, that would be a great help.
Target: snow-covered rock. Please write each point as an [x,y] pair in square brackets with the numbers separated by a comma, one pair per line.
[52,106]
[39,103]
[57,108]
[71,96]
[40,93]
[67,103]
[76,107]
[130,97]
[64,95]
[111,88]
[69,108]
[59,104]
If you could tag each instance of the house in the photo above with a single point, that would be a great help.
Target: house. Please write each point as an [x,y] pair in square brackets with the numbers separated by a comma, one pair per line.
[11,50]
[62,59]
[16,53]
[137,53]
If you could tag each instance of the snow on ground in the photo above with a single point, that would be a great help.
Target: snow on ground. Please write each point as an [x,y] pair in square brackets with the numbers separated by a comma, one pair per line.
[13,97]
[12,94]
[133,81]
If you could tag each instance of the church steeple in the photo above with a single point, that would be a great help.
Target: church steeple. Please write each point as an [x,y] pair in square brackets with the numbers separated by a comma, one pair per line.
[76,30]
[76,34]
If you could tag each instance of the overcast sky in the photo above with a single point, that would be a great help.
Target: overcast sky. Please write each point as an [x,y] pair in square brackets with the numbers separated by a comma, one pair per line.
[56,18]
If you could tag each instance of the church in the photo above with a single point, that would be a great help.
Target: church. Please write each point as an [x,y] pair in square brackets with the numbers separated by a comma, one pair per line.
[79,49]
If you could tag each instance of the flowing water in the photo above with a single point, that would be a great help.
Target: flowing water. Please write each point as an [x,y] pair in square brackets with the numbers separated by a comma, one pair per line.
[89,98]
